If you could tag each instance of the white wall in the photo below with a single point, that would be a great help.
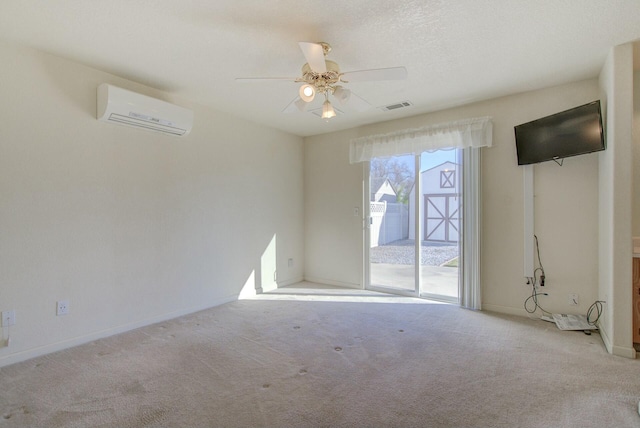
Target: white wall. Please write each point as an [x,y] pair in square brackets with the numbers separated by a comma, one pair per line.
[566,205]
[615,205]
[636,154]
[131,226]
[332,189]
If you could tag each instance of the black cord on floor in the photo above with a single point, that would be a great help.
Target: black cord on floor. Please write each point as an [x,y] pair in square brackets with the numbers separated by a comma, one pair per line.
[596,306]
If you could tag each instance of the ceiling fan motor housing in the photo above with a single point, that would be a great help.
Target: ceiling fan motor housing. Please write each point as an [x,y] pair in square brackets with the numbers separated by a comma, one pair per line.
[323,82]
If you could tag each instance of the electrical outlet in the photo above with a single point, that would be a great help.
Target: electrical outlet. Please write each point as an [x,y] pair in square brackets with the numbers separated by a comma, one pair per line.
[62,307]
[573,299]
[290,263]
[8,318]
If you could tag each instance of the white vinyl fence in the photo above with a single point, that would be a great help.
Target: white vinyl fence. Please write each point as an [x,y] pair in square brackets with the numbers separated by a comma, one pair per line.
[389,222]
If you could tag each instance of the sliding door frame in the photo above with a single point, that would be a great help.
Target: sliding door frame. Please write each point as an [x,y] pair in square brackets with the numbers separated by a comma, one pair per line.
[419,229]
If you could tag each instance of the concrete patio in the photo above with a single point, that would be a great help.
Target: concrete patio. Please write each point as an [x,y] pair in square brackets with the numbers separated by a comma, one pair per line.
[435,280]
[392,267]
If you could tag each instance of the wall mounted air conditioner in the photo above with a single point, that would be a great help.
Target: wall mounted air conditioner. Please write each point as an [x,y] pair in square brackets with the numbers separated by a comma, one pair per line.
[117,105]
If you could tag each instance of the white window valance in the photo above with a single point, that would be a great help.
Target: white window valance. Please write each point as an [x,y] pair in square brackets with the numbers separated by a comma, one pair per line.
[475,132]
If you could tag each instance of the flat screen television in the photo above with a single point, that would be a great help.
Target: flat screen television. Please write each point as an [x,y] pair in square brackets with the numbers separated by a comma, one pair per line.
[572,132]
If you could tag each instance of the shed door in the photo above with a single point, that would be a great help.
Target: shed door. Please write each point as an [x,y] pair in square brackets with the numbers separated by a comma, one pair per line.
[442,217]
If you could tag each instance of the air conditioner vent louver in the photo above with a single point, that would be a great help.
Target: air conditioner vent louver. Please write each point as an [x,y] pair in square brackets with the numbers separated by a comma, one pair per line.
[396,106]
[117,105]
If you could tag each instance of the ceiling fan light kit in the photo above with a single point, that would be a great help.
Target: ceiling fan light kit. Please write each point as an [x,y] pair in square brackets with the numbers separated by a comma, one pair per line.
[322,76]
[307,93]
[341,94]
[301,104]
[327,110]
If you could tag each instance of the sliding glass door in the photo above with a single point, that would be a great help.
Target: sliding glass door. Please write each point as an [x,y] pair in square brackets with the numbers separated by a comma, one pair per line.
[414,231]
[392,254]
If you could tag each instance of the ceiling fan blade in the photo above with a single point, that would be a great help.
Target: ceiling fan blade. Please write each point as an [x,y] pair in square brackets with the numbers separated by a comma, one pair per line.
[314,55]
[264,79]
[392,73]
[359,104]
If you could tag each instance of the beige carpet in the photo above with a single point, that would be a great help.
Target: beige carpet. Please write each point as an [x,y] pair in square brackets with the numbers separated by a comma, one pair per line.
[306,361]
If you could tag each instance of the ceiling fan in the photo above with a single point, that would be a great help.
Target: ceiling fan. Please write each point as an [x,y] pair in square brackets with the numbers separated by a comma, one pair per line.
[322,76]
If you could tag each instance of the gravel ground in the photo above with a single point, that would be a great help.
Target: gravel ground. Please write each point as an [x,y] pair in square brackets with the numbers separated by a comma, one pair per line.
[402,253]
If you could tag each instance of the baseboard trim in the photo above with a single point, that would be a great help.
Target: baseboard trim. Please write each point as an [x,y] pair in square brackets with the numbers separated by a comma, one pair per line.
[621,351]
[506,310]
[288,282]
[605,339]
[332,282]
[81,340]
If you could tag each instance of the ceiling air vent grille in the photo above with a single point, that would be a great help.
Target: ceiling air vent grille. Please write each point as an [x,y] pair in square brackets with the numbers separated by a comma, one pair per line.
[396,106]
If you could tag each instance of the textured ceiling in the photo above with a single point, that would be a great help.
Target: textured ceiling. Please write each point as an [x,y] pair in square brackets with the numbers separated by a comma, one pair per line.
[455,52]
